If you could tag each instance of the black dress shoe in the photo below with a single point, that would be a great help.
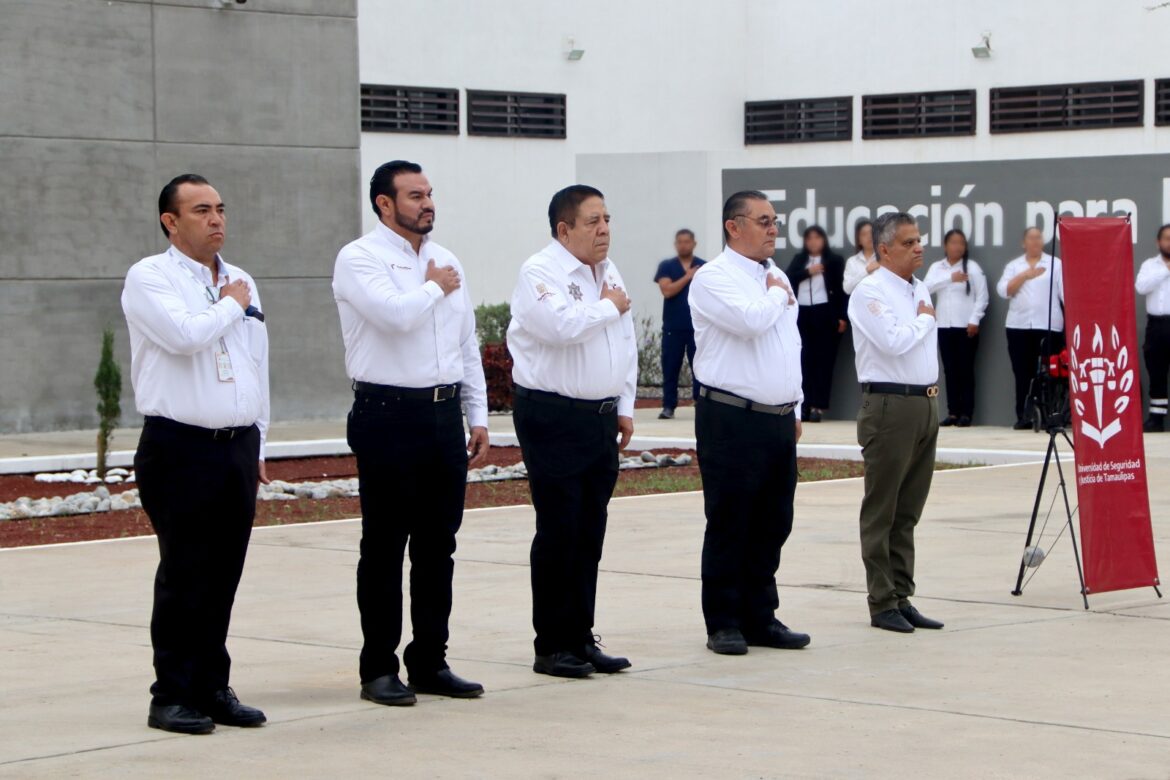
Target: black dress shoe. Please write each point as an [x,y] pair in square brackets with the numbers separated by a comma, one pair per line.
[779,636]
[948,421]
[562,664]
[814,415]
[445,683]
[606,664]
[727,641]
[226,710]
[963,422]
[1022,425]
[917,619]
[666,414]
[388,690]
[179,718]
[891,620]
[1155,424]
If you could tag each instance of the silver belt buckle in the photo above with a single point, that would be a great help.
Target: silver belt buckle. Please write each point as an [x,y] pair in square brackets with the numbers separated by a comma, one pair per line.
[606,407]
[227,433]
[438,390]
[932,391]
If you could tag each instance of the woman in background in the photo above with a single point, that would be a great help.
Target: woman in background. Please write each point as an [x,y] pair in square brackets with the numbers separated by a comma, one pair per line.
[817,274]
[865,262]
[960,290]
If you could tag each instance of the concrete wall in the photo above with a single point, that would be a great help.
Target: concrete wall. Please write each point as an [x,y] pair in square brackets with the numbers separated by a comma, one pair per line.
[103,102]
[655,110]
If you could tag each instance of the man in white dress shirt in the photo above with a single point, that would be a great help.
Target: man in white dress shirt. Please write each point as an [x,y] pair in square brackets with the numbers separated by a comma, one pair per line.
[199,365]
[1033,284]
[747,423]
[575,365]
[1153,281]
[895,339]
[411,350]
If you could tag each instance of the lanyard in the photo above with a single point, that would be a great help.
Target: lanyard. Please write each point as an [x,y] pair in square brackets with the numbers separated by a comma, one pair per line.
[206,290]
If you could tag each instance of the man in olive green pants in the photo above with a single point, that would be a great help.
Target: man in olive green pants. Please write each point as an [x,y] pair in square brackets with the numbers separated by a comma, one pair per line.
[895,339]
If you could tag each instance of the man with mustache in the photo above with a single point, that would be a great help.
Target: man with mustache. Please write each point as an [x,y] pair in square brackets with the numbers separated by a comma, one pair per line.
[895,336]
[412,353]
[575,369]
[199,364]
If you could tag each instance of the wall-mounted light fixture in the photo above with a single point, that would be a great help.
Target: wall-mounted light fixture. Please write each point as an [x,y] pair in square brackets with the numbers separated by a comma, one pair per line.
[982,51]
[572,51]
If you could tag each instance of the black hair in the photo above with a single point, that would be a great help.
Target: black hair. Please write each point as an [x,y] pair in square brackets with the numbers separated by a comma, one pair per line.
[1162,230]
[382,182]
[567,202]
[166,198]
[820,231]
[1029,229]
[966,250]
[857,234]
[685,232]
[734,207]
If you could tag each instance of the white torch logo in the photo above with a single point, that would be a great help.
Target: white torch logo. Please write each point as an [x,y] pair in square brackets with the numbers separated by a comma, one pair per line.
[1098,374]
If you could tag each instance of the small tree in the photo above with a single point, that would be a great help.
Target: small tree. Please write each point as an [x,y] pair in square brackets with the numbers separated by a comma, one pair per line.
[108,383]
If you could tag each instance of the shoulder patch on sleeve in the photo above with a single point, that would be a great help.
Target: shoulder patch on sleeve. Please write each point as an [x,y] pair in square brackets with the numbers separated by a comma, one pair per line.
[543,292]
[875,308]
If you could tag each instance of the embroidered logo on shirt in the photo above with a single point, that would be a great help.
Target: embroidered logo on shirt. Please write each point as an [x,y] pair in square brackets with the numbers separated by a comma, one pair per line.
[397,267]
[542,292]
[575,291]
[875,308]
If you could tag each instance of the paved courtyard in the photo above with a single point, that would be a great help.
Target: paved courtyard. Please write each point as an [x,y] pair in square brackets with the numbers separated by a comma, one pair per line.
[1013,687]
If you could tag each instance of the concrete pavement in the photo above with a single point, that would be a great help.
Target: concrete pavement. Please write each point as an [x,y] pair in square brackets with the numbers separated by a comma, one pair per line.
[65,450]
[1013,687]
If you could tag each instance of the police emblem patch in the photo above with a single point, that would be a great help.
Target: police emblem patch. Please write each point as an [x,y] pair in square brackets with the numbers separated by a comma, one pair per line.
[575,291]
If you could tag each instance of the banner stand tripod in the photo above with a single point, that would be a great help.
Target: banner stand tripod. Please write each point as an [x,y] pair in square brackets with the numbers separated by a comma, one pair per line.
[1056,430]
[1050,396]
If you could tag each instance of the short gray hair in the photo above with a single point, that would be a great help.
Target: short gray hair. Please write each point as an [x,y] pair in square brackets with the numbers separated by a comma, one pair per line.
[886,227]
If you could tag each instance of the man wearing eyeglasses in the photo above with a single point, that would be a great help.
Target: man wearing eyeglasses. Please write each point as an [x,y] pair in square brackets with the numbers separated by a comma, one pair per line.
[747,361]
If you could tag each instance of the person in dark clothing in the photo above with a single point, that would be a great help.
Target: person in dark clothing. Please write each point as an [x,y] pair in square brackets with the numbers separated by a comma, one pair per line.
[678,334]
[818,274]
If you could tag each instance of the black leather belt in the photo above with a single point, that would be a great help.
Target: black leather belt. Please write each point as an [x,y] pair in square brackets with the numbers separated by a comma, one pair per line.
[893,388]
[1158,317]
[433,394]
[602,406]
[731,399]
[215,434]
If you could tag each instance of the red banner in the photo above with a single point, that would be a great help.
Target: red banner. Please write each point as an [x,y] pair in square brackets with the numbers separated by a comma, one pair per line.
[1105,396]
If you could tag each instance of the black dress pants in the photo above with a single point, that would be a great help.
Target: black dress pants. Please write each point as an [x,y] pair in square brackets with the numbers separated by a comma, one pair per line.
[200,496]
[1026,351]
[572,460]
[748,464]
[412,477]
[818,353]
[1157,353]
[958,359]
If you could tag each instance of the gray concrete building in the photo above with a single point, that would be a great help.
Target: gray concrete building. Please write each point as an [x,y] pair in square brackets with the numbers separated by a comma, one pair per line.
[102,102]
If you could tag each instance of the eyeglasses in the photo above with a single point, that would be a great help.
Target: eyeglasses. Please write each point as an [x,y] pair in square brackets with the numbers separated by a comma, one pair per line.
[763,222]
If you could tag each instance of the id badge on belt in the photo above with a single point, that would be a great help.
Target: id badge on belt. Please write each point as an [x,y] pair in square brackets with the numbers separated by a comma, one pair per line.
[223,363]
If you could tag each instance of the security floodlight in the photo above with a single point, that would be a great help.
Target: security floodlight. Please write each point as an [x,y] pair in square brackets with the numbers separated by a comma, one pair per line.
[572,52]
[983,50]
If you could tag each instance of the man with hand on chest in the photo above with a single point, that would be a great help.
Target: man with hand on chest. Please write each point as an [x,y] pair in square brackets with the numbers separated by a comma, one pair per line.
[747,423]
[575,365]
[199,366]
[412,353]
[895,336]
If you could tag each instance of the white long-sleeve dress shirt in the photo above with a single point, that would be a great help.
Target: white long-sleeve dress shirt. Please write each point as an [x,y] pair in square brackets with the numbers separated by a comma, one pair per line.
[1153,281]
[178,323]
[812,291]
[565,338]
[955,306]
[400,329]
[892,341]
[1028,308]
[746,340]
[855,271]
